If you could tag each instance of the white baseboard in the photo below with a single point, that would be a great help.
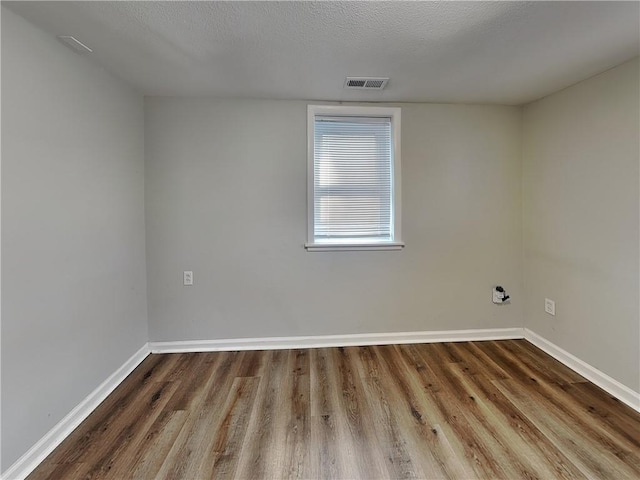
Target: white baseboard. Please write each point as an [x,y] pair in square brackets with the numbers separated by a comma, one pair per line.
[601,379]
[36,454]
[318,341]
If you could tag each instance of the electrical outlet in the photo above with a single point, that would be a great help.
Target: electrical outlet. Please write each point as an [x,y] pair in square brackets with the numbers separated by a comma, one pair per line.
[496,297]
[549,306]
[187,278]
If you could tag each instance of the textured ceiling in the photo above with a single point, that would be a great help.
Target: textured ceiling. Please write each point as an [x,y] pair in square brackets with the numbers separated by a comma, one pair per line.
[469,52]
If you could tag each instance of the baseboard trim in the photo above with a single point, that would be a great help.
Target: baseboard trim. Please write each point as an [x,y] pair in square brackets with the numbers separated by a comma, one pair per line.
[320,341]
[36,454]
[601,379]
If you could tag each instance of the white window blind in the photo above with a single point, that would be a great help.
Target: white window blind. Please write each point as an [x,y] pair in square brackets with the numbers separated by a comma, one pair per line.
[353,179]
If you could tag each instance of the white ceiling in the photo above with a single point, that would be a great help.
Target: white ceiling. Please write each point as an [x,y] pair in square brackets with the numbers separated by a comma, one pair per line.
[468,52]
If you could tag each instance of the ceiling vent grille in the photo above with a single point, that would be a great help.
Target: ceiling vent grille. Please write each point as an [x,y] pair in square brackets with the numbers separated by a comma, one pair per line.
[74,44]
[366,83]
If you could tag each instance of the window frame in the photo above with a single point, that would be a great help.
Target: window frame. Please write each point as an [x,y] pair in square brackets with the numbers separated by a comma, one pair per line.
[355,111]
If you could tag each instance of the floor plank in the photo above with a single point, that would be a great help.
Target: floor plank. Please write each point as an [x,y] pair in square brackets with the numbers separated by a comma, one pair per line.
[500,409]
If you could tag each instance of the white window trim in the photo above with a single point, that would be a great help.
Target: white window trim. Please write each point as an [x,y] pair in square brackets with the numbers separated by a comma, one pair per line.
[352,111]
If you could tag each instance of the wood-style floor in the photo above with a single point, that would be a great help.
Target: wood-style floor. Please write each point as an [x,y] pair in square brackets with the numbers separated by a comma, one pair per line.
[469,410]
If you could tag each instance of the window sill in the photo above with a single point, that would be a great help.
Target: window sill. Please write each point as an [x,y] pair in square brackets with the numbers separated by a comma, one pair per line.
[348,247]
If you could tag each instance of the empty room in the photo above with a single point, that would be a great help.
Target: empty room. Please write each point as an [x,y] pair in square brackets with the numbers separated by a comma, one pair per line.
[332,239]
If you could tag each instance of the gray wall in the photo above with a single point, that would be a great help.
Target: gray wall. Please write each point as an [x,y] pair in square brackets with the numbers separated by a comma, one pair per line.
[226,198]
[73,265]
[580,171]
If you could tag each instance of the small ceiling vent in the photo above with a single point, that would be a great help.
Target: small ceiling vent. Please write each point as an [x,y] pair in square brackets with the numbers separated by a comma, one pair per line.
[74,44]
[366,83]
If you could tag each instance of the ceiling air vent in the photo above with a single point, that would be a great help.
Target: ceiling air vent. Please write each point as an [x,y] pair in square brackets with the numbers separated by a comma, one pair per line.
[74,44]
[366,83]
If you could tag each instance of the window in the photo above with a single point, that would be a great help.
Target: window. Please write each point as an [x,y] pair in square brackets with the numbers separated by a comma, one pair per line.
[353,178]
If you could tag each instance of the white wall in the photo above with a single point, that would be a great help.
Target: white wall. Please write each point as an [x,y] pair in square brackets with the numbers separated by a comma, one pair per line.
[580,186]
[226,198]
[73,265]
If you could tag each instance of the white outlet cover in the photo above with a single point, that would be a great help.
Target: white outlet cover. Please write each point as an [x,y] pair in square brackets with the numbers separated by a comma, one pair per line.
[497,297]
[549,306]
[187,278]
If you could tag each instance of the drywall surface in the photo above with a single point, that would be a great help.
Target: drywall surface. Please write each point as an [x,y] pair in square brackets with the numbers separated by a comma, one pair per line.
[460,52]
[226,198]
[73,261]
[580,203]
